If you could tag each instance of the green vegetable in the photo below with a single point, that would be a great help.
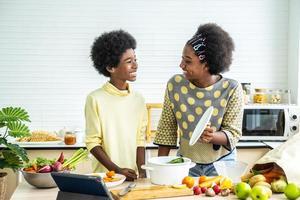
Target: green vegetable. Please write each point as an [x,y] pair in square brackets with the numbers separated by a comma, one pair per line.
[43,161]
[76,158]
[40,162]
[176,160]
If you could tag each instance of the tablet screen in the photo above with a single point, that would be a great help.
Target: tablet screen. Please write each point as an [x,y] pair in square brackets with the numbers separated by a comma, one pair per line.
[82,184]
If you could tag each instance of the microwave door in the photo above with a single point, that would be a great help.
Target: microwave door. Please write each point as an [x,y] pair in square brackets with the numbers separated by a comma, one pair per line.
[263,124]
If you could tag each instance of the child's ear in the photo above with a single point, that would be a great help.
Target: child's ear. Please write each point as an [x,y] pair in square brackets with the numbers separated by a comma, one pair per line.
[110,69]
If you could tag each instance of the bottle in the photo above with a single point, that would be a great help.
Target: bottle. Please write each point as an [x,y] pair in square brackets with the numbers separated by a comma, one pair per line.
[260,95]
[70,138]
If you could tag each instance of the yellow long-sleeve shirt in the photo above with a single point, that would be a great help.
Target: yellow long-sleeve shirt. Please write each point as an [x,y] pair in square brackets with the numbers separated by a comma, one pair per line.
[115,120]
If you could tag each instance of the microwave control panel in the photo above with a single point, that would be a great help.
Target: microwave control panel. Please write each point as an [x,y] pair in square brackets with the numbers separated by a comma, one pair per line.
[294,120]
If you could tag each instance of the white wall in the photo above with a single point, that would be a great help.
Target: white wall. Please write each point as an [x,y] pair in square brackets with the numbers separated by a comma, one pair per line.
[45,45]
[294,49]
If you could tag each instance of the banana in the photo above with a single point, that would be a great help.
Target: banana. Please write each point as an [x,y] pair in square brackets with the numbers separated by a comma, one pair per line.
[256,178]
[246,177]
[211,181]
[263,183]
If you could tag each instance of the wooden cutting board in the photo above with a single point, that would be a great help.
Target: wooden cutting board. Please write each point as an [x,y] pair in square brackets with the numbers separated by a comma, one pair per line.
[152,192]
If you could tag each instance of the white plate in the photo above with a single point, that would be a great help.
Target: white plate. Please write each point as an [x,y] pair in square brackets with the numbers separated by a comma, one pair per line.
[39,143]
[201,125]
[110,184]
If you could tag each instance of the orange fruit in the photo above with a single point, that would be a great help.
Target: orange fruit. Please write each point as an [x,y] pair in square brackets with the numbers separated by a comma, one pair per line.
[110,174]
[202,179]
[189,181]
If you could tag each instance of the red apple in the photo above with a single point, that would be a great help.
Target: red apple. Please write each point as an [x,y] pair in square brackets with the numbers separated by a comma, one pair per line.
[197,190]
[217,189]
[203,189]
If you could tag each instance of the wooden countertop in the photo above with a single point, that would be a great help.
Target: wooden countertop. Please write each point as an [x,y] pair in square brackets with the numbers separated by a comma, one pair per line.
[26,192]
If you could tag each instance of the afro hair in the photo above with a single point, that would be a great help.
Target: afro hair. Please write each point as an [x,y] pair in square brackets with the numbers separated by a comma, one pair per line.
[108,48]
[219,47]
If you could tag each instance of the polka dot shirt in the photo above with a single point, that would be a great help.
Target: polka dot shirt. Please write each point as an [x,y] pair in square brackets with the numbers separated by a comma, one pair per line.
[184,105]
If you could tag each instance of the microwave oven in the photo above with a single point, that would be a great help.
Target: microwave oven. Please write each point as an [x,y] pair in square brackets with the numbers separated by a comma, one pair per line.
[270,122]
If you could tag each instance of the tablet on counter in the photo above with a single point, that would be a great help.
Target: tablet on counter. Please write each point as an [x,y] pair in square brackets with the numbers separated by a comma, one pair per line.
[82,185]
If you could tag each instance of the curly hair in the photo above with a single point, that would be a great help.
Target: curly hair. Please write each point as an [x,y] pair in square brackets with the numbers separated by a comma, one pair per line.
[108,48]
[218,47]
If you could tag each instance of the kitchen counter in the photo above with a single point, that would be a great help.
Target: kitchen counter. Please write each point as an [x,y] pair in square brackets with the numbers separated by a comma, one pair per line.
[247,151]
[60,145]
[240,144]
[26,192]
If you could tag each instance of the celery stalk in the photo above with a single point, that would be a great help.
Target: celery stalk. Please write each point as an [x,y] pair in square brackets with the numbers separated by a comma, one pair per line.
[78,160]
[74,157]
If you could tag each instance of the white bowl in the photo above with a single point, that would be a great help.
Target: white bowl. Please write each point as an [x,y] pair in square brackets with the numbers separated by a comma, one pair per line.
[164,173]
[231,169]
[111,184]
[39,180]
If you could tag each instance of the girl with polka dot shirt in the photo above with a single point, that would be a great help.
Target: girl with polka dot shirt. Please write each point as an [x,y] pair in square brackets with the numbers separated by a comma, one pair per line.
[205,56]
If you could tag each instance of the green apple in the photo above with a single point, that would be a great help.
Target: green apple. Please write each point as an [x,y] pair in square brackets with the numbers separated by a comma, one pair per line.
[291,191]
[278,186]
[260,193]
[242,190]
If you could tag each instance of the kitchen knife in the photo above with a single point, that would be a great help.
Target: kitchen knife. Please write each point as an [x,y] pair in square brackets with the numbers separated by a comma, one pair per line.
[127,189]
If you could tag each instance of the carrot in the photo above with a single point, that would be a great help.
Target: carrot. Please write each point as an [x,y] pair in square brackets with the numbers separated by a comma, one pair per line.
[107,179]
[110,174]
[28,169]
[34,166]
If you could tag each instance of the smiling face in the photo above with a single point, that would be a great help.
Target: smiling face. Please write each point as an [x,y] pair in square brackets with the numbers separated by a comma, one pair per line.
[126,70]
[193,69]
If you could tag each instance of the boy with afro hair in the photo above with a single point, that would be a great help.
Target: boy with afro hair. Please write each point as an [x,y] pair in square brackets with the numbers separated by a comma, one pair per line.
[116,116]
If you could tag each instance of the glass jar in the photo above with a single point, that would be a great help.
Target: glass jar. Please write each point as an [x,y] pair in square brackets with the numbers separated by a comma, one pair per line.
[260,96]
[275,96]
[286,97]
[70,138]
[246,92]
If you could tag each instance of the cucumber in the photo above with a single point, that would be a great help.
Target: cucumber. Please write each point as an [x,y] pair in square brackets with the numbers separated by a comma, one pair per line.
[176,160]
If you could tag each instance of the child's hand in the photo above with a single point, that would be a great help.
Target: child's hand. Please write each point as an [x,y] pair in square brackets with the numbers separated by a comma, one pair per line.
[207,135]
[142,174]
[129,173]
